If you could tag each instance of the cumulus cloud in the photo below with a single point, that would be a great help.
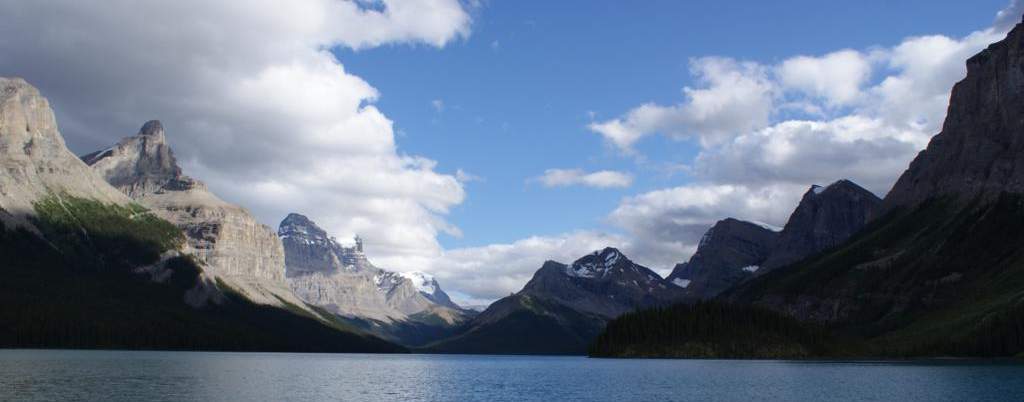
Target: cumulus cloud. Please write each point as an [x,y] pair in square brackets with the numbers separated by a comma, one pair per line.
[737,96]
[835,77]
[254,102]
[573,177]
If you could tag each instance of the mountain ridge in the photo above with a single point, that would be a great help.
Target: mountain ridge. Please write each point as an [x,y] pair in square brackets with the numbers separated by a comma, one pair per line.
[563,307]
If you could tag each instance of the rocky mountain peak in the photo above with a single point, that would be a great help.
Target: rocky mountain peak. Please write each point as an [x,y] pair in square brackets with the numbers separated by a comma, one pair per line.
[605,282]
[980,150]
[140,164]
[152,129]
[730,251]
[600,264]
[825,217]
[299,225]
[309,249]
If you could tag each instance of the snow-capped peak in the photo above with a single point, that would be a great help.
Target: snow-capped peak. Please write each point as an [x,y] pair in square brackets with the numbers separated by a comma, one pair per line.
[423,282]
[596,265]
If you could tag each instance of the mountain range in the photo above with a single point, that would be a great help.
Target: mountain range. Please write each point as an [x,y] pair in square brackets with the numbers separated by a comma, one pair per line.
[120,249]
[938,270]
[156,262]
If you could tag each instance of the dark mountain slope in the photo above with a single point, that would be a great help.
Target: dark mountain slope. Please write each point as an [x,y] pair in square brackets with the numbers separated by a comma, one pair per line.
[564,307]
[730,252]
[941,273]
[734,251]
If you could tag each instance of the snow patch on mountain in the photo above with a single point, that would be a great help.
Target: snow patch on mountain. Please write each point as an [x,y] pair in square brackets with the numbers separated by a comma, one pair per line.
[423,282]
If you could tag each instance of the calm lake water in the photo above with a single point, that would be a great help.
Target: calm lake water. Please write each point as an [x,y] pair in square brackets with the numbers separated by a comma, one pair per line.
[47,375]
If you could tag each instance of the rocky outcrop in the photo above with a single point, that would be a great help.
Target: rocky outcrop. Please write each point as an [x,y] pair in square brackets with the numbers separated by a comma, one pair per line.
[980,150]
[730,252]
[231,245]
[35,161]
[138,165]
[343,281]
[825,218]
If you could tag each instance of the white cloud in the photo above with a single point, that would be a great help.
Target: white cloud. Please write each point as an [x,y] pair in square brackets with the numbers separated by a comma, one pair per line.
[438,105]
[434,22]
[254,102]
[1009,16]
[836,77]
[465,177]
[572,177]
[737,97]
[804,152]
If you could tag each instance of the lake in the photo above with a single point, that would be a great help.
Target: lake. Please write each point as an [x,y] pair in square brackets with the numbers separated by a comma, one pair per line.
[47,375]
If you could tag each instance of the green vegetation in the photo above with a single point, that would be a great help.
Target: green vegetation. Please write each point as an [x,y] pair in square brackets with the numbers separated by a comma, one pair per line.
[945,279]
[104,237]
[711,330]
[74,288]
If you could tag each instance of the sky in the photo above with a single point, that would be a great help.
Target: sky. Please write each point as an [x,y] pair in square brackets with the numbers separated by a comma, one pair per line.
[474,140]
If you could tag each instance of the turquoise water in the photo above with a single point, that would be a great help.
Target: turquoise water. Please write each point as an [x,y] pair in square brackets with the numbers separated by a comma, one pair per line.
[47,375]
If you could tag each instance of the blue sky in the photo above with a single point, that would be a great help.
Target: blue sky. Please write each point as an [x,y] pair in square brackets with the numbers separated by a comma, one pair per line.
[360,117]
[517,93]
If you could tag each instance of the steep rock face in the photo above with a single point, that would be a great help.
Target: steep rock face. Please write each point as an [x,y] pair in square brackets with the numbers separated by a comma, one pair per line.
[226,238]
[942,271]
[342,280]
[34,158]
[564,307]
[308,249]
[730,252]
[138,165]
[825,218]
[980,150]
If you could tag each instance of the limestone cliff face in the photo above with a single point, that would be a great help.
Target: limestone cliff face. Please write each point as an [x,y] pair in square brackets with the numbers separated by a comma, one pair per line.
[226,238]
[138,165]
[34,159]
[980,150]
[342,280]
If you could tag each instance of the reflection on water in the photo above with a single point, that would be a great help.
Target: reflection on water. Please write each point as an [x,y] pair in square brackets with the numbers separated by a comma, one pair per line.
[173,376]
